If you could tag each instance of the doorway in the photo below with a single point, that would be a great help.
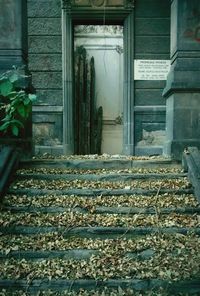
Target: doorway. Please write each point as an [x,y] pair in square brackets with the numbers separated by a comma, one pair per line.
[103,45]
[123,14]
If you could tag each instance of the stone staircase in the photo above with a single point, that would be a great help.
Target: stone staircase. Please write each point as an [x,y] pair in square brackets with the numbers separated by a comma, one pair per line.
[100,226]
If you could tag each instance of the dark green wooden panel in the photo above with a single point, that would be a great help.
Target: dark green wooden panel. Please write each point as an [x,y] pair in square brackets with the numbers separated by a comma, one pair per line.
[152,8]
[45,8]
[152,44]
[45,44]
[47,80]
[45,62]
[152,26]
[44,26]
[149,97]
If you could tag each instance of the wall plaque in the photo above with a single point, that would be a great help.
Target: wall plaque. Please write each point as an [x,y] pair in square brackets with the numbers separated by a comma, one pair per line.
[151,69]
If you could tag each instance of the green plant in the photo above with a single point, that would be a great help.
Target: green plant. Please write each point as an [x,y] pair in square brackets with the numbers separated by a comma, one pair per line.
[15,102]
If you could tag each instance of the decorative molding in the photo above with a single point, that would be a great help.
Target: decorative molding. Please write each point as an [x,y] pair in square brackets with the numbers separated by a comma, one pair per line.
[129,4]
[119,49]
[67,4]
[103,30]
[72,5]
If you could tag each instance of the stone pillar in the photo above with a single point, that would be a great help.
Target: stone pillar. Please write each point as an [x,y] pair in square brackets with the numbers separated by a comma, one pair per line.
[128,100]
[182,91]
[67,43]
[13,33]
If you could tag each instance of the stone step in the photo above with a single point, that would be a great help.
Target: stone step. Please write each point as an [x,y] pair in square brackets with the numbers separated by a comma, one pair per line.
[101,163]
[98,192]
[104,210]
[67,236]
[91,203]
[101,177]
[97,232]
[76,254]
[135,285]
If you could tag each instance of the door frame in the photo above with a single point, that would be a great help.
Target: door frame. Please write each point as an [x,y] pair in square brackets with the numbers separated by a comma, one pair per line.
[98,11]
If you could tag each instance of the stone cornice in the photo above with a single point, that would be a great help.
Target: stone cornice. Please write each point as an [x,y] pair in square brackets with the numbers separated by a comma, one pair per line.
[72,5]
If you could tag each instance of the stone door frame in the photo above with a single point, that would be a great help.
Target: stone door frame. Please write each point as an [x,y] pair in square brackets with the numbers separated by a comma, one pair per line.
[96,11]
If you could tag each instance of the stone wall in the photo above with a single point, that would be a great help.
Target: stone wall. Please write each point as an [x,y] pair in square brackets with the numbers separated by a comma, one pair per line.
[45,64]
[152,41]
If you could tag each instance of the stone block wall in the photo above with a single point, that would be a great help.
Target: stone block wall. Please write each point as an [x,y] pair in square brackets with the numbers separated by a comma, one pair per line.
[152,41]
[45,64]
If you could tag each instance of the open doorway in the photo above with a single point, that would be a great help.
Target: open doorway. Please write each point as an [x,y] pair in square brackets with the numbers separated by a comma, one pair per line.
[102,47]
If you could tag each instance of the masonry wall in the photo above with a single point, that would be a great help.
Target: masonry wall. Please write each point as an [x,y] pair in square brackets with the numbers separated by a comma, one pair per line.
[152,41]
[45,64]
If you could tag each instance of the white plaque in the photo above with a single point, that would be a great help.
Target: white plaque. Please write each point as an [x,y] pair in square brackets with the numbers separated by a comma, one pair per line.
[151,69]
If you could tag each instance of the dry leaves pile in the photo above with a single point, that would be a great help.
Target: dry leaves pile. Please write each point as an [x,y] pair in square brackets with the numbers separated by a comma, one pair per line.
[164,256]
[90,203]
[74,219]
[103,292]
[84,184]
[100,171]
[175,257]
[96,156]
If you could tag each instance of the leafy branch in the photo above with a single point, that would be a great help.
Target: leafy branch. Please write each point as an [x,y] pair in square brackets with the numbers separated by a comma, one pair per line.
[15,103]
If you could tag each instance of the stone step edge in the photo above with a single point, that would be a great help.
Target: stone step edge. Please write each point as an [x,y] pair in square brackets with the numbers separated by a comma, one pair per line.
[98,163]
[97,232]
[104,210]
[100,177]
[98,192]
[75,254]
[36,285]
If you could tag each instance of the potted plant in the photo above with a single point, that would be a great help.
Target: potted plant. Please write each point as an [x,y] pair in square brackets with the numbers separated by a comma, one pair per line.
[15,110]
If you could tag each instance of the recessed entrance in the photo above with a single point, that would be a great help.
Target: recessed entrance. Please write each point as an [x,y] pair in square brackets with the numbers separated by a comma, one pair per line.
[90,13]
[98,63]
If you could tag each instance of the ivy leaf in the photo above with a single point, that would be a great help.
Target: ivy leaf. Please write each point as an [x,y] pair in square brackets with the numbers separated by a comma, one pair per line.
[21,110]
[5,87]
[32,97]
[14,77]
[4,126]
[15,130]
[27,101]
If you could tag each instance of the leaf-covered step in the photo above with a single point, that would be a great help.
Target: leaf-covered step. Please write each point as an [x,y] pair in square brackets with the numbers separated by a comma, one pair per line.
[105,210]
[58,241]
[76,254]
[101,177]
[115,287]
[98,232]
[97,192]
[74,219]
[101,163]
[60,184]
[166,264]
[92,202]
[104,171]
